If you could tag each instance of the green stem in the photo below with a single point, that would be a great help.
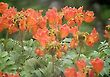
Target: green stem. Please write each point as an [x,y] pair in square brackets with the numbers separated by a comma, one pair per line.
[79,53]
[97,75]
[53,65]
[21,35]
[6,40]
[6,35]
[109,41]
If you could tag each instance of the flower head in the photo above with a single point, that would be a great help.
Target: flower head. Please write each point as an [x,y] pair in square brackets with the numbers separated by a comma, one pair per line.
[70,72]
[54,17]
[97,64]
[81,64]
[69,12]
[89,16]
[92,38]
[42,36]
[39,52]
[81,74]
[91,73]
[64,31]
[3,7]
[74,43]
[59,54]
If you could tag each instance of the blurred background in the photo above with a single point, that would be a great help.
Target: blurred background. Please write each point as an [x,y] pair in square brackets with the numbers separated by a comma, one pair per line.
[101,9]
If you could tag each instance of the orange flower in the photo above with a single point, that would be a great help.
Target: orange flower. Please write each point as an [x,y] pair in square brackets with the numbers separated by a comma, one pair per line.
[64,48]
[91,73]
[89,16]
[1,74]
[1,26]
[12,29]
[69,12]
[73,43]
[70,72]
[71,23]
[81,64]
[79,16]
[94,33]
[13,75]
[97,64]
[53,17]
[107,34]
[64,31]
[6,21]
[31,22]
[81,74]
[39,52]
[22,24]
[7,17]
[92,38]
[42,36]
[42,22]
[74,31]
[59,54]
[32,18]
[3,7]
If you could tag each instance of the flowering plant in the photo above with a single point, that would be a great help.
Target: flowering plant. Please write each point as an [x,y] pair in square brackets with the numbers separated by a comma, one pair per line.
[58,47]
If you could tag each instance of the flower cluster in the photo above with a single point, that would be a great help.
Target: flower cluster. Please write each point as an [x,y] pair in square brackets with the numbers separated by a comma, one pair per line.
[50,30]
[14,21]
[84,70]
[8,75]
[56,31]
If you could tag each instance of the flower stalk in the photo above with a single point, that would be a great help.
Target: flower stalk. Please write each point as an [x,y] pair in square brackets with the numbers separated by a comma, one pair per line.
[53,65]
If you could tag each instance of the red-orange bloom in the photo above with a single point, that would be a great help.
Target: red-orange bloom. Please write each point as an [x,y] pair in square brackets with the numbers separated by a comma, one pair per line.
[1,26]
[69,12]
[79,16]
[6,20]
[42,22]
[9,75]
[81,74]
[32,18]
[74,43]
[59,54]
[39,52]
[22,24]
[89,16]
[97,64]
[54,18]
[91,73]
[64,31]
[1,73]
[74,31]
[70,72]
[92,38]
[12,29]
[3,7]
[42,36]
[13,75]
[71,23]
[64,48]
[107,34]
[81,64]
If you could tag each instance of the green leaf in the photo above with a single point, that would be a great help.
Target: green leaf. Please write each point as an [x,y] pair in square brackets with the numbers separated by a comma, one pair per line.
[107,51]
[94,54]
[10,44]
[37,73]
[3,54]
